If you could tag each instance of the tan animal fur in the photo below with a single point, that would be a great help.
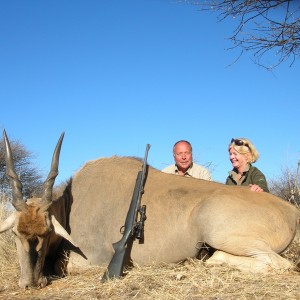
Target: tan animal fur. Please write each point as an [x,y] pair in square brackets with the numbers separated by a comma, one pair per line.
[249,230]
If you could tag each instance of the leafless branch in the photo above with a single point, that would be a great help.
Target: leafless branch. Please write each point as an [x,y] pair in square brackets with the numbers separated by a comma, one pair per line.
[263,27]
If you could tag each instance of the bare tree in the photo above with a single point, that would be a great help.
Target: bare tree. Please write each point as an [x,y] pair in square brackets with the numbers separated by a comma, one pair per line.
[29,175]
[287,186]
[262,27]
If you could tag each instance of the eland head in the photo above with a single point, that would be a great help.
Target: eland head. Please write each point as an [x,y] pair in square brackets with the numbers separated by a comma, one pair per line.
[32,223]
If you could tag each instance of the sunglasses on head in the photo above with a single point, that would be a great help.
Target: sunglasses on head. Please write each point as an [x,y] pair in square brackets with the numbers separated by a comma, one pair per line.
[238,142]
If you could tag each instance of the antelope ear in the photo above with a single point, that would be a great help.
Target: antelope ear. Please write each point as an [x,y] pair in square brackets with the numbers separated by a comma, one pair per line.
[59,230]
[8,223]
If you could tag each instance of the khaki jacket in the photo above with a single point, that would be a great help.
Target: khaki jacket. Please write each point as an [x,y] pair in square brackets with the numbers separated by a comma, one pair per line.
[194,170]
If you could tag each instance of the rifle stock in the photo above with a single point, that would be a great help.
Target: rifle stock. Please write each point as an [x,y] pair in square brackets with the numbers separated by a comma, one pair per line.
[116,265]
[132,228]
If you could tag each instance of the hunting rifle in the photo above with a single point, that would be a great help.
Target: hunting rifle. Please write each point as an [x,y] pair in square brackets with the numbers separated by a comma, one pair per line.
[133,229]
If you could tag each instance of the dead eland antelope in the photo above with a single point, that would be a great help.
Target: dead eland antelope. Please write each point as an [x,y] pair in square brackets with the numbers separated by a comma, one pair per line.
[248,230]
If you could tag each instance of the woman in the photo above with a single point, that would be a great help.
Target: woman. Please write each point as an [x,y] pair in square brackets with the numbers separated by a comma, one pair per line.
[242,155]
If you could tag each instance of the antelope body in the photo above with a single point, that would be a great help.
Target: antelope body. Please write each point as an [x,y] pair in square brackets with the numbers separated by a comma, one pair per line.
[248,230]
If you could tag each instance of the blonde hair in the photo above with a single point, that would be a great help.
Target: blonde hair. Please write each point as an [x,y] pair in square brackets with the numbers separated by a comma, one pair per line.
[246,148]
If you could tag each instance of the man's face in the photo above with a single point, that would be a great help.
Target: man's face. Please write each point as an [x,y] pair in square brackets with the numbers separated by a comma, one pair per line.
[183,155]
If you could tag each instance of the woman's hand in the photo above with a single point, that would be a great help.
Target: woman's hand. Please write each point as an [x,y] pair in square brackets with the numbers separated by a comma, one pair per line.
[255,188]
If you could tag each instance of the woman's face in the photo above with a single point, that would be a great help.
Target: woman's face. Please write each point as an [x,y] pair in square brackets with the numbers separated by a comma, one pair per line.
[238,160]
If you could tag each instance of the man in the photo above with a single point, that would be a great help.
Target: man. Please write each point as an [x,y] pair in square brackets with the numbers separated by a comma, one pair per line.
[184,165]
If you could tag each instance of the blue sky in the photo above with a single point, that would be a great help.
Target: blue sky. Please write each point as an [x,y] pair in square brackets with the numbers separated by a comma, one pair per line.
[116,75]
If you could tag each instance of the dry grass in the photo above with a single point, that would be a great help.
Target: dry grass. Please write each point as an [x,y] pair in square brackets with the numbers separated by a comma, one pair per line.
[189,280]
